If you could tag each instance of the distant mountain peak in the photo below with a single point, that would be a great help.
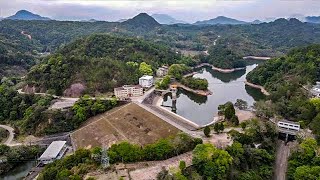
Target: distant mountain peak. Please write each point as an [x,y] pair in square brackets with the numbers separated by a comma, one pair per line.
[220,20]
[166,19]
[26,15]
[142,20]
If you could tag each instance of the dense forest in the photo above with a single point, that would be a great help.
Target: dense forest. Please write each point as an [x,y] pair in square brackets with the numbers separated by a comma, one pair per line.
[100,62]
[285,78]
[29,114]
[22,41]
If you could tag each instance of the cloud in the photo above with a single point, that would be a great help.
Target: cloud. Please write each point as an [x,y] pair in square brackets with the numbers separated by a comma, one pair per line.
[187,10]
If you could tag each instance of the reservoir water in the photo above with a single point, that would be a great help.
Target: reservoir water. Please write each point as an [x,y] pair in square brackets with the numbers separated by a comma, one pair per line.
[225,87]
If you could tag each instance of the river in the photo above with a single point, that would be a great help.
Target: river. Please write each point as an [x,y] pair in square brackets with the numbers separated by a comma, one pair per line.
[19,172]
[225,87]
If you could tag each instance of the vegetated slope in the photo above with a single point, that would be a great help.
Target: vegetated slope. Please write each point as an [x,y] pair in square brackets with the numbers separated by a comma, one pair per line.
[284,78]
[301,65]
[223,57]
[100,62]
[220,20]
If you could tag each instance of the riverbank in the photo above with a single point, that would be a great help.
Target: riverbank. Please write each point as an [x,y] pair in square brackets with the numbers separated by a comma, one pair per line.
[256,58]
[198,92]
[262,89]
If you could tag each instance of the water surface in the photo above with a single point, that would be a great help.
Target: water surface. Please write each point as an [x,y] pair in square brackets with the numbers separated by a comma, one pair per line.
[225,87]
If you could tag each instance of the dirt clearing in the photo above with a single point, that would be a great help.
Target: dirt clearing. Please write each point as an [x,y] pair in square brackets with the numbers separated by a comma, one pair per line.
[129,123]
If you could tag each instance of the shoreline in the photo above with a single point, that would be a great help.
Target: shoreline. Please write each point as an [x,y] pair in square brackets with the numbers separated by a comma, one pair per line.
[256,58]
[219,69]
[262,89]
[198,92]
[159,102]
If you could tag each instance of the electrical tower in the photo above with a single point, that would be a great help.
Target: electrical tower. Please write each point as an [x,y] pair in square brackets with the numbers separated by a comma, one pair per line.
[104,158]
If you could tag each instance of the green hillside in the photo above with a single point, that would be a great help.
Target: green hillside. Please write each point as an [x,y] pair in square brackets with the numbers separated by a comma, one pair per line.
[100,62]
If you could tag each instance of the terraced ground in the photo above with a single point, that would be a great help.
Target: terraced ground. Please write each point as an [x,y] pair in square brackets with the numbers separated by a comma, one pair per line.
[129,122]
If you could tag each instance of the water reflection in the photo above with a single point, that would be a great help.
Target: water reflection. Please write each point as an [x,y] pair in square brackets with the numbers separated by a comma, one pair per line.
[19,172]
[225,87]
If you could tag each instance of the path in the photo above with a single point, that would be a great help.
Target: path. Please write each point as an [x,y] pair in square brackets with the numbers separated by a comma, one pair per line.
[11,135]
[151,170]
[281,163]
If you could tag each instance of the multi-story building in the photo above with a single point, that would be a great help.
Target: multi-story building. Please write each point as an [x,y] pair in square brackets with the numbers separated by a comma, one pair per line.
[146,81]
[127,91]
[162,71]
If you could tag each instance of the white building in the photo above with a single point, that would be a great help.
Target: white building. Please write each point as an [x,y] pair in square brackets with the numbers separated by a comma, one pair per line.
[146,81]
[288,127]
[162,71]
[55,151]
[127,91]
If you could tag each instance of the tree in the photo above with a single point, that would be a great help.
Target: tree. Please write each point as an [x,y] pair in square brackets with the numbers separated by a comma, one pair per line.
[218,127]
[182,165]
[211,162]
[241,104]
[307,173]
[145,69]
[235,120]
[206,131]
[229,110]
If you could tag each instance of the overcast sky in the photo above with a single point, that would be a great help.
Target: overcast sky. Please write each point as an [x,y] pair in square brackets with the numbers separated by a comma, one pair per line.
[187,10]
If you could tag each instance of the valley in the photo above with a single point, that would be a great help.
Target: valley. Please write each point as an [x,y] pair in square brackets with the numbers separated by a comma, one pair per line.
[155,97]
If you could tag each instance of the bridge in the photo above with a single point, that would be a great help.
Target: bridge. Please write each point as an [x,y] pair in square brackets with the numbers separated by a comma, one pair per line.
[173,90]
[288,128]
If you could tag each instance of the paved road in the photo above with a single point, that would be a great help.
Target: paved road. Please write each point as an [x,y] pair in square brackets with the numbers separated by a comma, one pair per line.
[9,141]
[281,164]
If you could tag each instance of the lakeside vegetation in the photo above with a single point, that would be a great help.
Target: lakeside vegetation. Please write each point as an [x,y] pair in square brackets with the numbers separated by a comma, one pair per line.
[13,156]
[195,83]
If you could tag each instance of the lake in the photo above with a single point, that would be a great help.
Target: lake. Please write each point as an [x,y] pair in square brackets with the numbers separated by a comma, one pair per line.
[225,87]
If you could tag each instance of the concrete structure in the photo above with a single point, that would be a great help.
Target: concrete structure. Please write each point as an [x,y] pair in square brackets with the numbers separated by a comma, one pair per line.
[55,151]
[127,91]
[146,81]
[315,91]
[288,127]
[162,71]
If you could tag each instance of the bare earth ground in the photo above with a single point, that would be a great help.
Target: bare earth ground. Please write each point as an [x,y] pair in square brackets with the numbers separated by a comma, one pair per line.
[129,122]
[244,115]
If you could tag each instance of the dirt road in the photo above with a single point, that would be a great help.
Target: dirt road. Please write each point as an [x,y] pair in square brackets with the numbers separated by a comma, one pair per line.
[9,141]
[281,163]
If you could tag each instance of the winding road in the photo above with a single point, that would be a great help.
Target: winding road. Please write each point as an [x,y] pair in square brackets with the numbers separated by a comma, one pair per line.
[9,141]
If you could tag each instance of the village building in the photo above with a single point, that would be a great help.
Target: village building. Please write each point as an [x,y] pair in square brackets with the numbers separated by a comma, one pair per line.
[315,91]
[127,91]
[162,71]
[55,150]
[146,81]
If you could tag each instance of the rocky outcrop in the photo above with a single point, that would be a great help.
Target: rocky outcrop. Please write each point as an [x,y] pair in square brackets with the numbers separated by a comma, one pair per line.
[75,90]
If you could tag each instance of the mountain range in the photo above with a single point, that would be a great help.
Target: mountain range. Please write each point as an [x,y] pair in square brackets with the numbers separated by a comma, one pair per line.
[26,15]
[166,19]
[157,19]
[220,20]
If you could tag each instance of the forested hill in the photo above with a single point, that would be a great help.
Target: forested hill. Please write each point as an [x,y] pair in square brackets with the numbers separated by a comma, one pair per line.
[284,78]
[99,62]
[301,65]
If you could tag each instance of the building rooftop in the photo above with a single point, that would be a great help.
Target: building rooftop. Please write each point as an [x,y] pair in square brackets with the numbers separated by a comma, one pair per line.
[127,86]
[146,77]
[53,150]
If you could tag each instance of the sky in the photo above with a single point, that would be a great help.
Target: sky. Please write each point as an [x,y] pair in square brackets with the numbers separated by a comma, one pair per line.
[186,10]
